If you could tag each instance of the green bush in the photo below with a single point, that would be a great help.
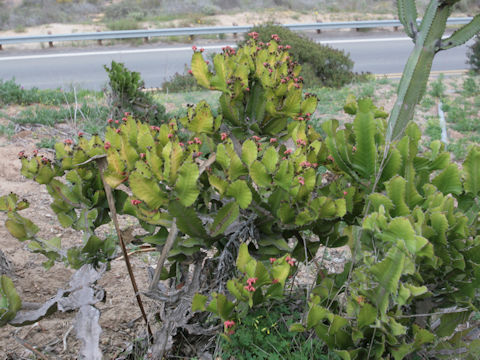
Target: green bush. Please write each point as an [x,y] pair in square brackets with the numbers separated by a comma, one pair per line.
[126,95]
[474,55]
[180,83]
[321,65]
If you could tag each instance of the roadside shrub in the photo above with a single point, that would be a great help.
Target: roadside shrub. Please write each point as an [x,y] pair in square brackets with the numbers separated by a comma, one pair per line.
[123,24]
[321,65]
[126,95]
[180,83]
[13,93]
[474,55]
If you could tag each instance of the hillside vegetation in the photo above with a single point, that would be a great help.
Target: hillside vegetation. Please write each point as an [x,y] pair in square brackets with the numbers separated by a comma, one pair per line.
[121,14]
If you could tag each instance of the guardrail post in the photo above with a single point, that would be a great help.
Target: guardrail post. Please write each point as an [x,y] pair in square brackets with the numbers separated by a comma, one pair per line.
[319,31]
[146,39]
[395,28]
[234,34]
[99,41]
[1,47]
[50,43]
[192,37]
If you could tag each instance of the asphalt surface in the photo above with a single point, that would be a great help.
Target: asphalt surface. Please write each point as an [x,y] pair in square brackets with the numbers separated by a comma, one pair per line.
[83,68]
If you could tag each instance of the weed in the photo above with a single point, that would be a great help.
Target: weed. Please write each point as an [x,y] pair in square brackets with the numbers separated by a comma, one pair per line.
[470,87]
[263,334]
[437,88]
[180,83]
[46,143]
[7,130]
[433,130]
[459,148]
[427,103]
[42,115]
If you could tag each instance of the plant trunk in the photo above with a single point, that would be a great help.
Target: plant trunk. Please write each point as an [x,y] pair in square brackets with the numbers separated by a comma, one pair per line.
[417,70]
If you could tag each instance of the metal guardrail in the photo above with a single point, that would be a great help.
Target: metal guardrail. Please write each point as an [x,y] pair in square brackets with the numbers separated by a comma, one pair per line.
[130,34]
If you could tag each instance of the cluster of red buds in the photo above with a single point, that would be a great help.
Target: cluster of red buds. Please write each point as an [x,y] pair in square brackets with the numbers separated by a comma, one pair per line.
[80,134]
[194,48]
[250,282]
[196,154]
[155,128]
[275,37]
[68,141]
[291,261]
[228,50]
[275,281]
[272,260]
[301,142]
[136,202]
[107,145]
[195,140]
[170,136]
[330,157]
[142,155]
[45,160]
[307,164]
[21,154]
[301,180]
[223,136]
[273,140]
[287,152]
[253,35]
[229,324]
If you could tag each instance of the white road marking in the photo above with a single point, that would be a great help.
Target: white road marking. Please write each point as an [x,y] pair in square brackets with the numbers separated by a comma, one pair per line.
[349,41]
[184,48]
[112,52]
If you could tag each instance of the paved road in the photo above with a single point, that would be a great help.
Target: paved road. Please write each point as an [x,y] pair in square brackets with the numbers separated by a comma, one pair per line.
[52,68]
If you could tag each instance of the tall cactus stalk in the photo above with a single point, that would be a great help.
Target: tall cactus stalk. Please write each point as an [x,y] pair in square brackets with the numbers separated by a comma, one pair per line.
[428,41]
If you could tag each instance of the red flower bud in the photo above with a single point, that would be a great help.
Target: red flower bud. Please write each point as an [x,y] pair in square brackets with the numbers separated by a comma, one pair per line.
[107,145]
